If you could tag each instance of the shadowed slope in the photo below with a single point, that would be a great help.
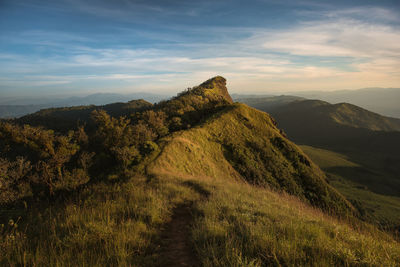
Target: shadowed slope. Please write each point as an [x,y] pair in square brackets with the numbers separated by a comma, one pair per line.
[366,139]
[358,184]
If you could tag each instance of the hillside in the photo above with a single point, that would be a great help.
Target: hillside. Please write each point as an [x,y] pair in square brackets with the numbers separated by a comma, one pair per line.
[228,144]
[357,183]
[313,122]
[367,140]
[342,113]
[384,101]
[322,112]
[195,180]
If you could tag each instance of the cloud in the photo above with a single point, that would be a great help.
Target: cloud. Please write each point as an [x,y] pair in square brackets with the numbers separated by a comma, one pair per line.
[374,14]
[34,82]
[341,38]
[336,49]
[362,52]
[144,12]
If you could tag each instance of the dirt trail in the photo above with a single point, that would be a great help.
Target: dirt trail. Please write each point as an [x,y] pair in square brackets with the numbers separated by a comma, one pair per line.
[178,250]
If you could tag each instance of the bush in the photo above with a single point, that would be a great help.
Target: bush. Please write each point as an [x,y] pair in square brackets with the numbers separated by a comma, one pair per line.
[14,179]
[51,161]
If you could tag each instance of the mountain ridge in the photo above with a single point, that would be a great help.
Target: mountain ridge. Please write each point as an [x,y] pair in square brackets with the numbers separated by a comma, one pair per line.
[342,113]
[220,177]
[384,101]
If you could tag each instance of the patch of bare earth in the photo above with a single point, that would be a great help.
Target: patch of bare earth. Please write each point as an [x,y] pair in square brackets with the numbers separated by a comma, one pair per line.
[177,250]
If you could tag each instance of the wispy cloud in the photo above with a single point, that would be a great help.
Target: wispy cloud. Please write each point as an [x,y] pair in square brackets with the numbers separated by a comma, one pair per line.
[343,38]
[331,49]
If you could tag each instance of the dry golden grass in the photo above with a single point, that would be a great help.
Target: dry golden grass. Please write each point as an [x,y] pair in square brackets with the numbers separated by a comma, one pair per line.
[240,225]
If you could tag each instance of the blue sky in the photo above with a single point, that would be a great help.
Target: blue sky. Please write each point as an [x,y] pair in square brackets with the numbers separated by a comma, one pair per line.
[71,47]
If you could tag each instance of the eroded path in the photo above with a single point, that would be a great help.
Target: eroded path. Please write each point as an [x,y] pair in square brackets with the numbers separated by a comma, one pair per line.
[177,250]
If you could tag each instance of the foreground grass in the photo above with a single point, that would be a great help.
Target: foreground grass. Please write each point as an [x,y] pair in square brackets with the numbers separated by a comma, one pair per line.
[241,225]
[104,225]
[235,224]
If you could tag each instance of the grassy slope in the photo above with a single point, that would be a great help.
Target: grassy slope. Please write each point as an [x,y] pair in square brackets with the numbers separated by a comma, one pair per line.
[327,159]
[380,209]
[103,225]
[243,142]
[355,116]
[243,225]
[376,152]
[236,225]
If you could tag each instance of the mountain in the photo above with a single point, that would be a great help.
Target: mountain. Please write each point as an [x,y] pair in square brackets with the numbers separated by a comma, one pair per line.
[322,112]
[317,122]
[227,146]
[367,137]
[17,107]
[384,101]
[369,141]
[193,180]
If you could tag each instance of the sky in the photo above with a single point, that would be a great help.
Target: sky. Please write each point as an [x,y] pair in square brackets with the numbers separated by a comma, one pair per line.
[74,47]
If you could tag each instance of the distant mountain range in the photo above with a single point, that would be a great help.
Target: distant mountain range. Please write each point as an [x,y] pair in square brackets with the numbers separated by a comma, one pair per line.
[17,107]
[323,112]
[385,101]
[316,122]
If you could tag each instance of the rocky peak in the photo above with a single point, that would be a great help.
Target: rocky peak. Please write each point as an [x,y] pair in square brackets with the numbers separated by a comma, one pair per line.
[217,85]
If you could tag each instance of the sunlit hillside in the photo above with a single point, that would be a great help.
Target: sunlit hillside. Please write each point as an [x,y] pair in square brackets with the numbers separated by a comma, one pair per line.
[193,181]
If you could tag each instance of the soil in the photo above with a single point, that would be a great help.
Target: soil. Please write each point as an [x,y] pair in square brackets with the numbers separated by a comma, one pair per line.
[177,250]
